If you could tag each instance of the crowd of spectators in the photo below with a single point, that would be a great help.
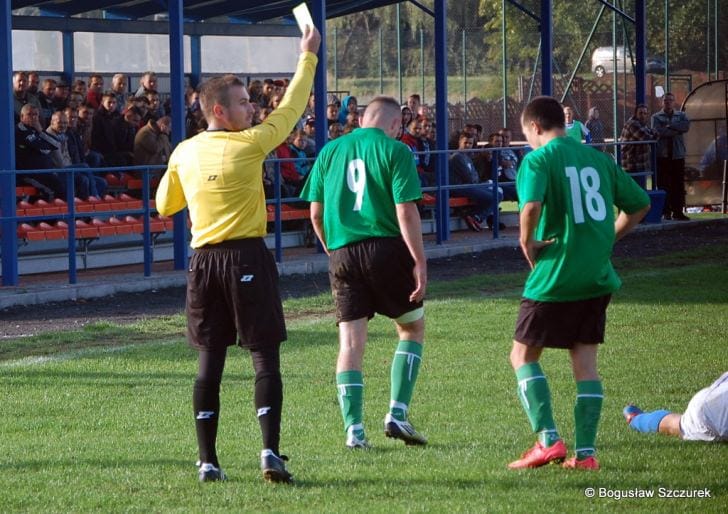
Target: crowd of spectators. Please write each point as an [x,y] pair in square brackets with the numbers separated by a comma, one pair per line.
[83,125]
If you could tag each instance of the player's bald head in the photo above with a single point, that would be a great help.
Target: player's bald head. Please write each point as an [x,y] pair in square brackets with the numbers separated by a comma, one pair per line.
[384,113]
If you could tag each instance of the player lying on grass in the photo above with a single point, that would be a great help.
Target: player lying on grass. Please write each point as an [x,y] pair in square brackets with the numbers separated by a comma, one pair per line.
[705,419]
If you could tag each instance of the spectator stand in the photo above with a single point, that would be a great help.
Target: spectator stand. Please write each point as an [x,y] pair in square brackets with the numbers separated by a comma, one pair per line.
[82,222]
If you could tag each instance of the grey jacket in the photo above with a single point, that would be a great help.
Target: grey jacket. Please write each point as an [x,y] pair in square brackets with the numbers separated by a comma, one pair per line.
[670,130]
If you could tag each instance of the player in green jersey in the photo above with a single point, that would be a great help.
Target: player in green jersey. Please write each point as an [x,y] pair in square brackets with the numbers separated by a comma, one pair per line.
[363,189]
[566,193]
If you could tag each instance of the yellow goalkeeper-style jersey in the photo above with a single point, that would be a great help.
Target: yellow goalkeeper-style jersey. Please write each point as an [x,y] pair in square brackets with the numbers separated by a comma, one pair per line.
[218,174]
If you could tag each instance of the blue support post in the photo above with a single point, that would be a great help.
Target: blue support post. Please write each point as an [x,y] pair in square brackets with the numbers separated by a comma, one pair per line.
[546,48]
[70,196]
[146,234]
[442,210]
[177,92]
[319,85]
[195,60]
[9,239]
[494,159]
[641,51]
[69,58]
[277,211]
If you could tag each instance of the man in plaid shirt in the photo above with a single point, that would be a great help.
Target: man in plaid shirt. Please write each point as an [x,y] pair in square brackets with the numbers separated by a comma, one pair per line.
[636,158]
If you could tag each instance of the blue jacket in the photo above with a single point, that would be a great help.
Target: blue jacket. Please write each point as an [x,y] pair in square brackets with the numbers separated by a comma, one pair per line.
[670,130]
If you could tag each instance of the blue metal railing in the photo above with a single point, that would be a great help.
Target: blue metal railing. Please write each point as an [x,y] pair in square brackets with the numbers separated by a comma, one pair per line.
[442,188]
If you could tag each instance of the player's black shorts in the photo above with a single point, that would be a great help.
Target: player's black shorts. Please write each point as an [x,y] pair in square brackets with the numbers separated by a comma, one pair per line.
[372,276]
[232,296]
[562,324]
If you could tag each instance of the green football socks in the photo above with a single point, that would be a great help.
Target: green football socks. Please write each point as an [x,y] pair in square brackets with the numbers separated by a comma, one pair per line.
[533,391]
[405,366]
[350,385]
[587,410]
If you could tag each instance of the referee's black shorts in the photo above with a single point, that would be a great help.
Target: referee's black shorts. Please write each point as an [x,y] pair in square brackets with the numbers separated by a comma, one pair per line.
[562,324]
[233,296]
[372,276]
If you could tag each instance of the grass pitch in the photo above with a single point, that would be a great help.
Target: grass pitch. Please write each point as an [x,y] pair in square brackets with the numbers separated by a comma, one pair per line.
[101,421]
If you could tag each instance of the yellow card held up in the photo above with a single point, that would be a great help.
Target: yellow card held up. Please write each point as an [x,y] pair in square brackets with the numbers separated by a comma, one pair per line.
[303,16]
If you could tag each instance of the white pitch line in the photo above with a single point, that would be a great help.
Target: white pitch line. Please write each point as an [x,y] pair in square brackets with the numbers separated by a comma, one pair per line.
[84,352]
[61,357]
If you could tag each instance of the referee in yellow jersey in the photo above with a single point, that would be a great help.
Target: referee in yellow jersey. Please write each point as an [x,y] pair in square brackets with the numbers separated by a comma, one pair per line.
[232,284]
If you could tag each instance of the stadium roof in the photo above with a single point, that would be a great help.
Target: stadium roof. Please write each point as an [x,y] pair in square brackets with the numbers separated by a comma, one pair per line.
[244,11]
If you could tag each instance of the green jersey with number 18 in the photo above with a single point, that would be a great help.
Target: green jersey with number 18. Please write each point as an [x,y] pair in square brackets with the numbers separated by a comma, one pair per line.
[359,178]
[578,187]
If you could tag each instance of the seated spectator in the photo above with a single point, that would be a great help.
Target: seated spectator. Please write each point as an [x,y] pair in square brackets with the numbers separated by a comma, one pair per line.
[79,86]
[33,83]
[86,183]
[21,96]
[155,107]
[484,160]
[413,102]
[289,173]
[275,100]
[335,130]
[45,100]
[95,90]
[427,159]
[352,120]
[711,163]
[266,93]
[147,82]
[255,91]
[119,88]
[279,87]
[298,149]
[78,138]
[125,128]
[349,105]
[194,118]
[103,138]
[406,117]
[151,143]
[411,138]
[75,100]
[505,174]
[332,114]
[309,131]
[264,113]
[269,174]
[140,102]
[508,165]
[60,96]
[310,109]
[33,149]
[462,171]
[85,115]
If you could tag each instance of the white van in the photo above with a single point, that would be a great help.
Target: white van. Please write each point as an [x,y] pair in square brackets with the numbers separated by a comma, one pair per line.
[602,62]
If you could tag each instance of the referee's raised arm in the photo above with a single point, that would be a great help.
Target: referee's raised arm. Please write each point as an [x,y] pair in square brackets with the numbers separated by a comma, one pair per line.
[278,125]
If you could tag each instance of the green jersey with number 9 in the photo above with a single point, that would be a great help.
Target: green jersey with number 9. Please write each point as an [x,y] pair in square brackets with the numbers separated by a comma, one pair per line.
[359,178]
[578,187]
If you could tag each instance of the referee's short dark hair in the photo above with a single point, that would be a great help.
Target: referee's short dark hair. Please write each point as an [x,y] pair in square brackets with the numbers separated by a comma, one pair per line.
[546,111]
[217,91]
